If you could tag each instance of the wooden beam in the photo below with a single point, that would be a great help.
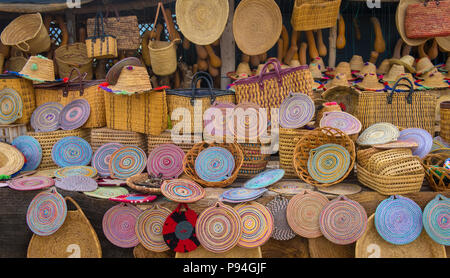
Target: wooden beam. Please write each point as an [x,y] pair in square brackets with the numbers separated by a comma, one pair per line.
[332,45]
[228,49]
[71,25]
[125,6]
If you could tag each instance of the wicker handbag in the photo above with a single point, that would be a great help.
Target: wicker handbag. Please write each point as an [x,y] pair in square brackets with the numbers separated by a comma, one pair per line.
[314,14]
[72,56]
[26,91]
[428,19]
[75,239]
[437,176]
[269,89]
[75,88]
[100,45]
[404,109]
[205,97]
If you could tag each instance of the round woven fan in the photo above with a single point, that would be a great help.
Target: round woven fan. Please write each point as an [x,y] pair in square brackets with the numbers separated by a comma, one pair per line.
[75,171]
[182,191]
[278,208]
[134,198]
[46,213]
[77,183]
[45,118]
[215,119]
[149,228]
[265,179]
[31,183]
[219,228]
[343,221]
[32,151]
[11,106]
[398,220]
[341,120]
[296,111]
[75,114]
[380,133]
[102,157]
[107,192]
[247,122]
[127,162]
[436,216]
[239,195]
[11,159]
[290,187]
[303,213]
[257,224]
[328,163]
[166,160]
[420,136]
[72,151]
[214,164]
[119,224]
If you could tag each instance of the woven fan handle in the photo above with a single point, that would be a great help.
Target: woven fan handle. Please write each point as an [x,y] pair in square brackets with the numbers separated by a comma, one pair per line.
[26,49]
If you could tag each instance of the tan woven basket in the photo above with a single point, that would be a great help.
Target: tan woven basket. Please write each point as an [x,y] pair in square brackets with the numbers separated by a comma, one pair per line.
[48,139]
[314,14]
[390,185]
[26,91]
[27,33]
[101,136]
[315,139]
[437,176]
[288,139]
[75,239]
[73,56]
[166,138]
[445,121]
[132,183]
[386,157]
[400,167]
[15,64]
[254,161]
[143,112]
[363,156]
[191,156]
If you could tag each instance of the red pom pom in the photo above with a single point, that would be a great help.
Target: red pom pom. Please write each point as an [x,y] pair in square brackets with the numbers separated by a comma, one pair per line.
[66,79]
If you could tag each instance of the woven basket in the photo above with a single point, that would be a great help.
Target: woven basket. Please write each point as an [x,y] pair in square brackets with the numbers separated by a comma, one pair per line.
[15,64]
[100,45]
[143,112]
[101,136]
[25,89]
[73,56]
[363,156]
[390,185]
[288,139]
[75,239]
[254,161]
[48,139]
[191,156]
[438,177]
[131,182]
[314,14]
[166,138]
[386,157]
[427,20]
[10,132]
[315,139]
[445,121]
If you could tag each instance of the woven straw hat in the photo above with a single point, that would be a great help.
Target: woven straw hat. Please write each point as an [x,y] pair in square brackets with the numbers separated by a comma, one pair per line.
[368,68]
[343,67]
[444,43]
[424,65]
[132,79]
[356,63]
[339,80]
[384,67]
[400,22]
[370,83]
[406,61]
[294,63]
[434,79]
[38,69]
[404,85]
[243,71]
[11,159]
[319,61]
[315,71]
[202,22]
[395,71]
[257,25]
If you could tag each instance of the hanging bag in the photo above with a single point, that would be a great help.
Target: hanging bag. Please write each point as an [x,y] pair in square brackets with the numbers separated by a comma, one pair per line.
[428,19]
[100,45]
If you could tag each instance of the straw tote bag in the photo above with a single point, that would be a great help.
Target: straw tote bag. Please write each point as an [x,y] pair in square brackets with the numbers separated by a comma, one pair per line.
[101,45]
[428,19]
[75,239]
[403,109]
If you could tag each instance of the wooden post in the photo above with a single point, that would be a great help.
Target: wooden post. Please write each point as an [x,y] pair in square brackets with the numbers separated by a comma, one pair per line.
[71,25]
[332,43]
[227,49]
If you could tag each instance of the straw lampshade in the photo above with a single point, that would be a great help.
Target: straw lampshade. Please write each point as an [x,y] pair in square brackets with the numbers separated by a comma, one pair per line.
[407,61]
[356,63]
[434,79]
[39,69]
[384,67]
[132,79]
[370,83]
[424,65]
[395,71]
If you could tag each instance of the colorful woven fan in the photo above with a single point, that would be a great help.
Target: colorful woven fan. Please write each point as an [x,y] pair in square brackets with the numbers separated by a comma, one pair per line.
[149,229]
[419,136]
[72,151]
[341,120]
[31,183]
[45,118]
[240,195]
[11,106]
[119,224]
[32,151]
[380,133]
[265,179]
[296,111]
[127,162]
[214,164]
[76,171]
[77,183]
[75,114]
[257,224]
[328,163]
[102,157]
[134,198]
[107,192]
[166,160]
[179,230]
[436,219]
[182,191]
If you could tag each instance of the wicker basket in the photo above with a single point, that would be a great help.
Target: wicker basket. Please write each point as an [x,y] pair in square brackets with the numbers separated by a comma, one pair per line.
[315,139]
[314,14]
[386,157]
[189,162]
[437,176]
[48,139]
[363,156]
[132,183]
[254,161]
[390,185]
[445,120]
[10,132]
[288,139]
[143,112]
[73,56]
[166,138]
[25,89]
[101,136]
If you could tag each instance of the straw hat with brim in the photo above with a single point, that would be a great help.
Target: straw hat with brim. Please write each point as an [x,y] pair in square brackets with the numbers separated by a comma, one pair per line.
[444,43]
[243,71]
[132,79]
[404,85]
[315,71]
[356,63]
[114,72]
[11,160]
[295,63]
[424,65]
[370,83]
[395,71]
[319,61]
[406,61]
[346,95]
[434,80]
[400,22]
[384,67]
[368,68]
[38,69]
[339,80]
[202,22]
[257,26]
[342,67]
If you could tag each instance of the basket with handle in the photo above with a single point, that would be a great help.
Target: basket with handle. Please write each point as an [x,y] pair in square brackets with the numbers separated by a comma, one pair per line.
[24,88]
[428,19]
[314,14]
[437,176]
[101,45]
[72,56]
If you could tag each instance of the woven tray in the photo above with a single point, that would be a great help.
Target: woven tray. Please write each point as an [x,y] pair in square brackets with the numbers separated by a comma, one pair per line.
[315,139]
[437,182]
[288,139]
[101,136]
[132,183]
[191,156]
[166,138]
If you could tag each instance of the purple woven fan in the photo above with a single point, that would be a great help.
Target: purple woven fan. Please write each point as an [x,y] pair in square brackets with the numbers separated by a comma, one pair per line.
[75,114]
[421,137]
[77,183]
[46,117]
[166,160]
[296,111]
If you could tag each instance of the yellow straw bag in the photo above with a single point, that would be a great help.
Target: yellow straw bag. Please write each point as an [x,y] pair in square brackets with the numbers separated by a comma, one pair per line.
[314,14]
[100,45]
[77,88]
[26,91]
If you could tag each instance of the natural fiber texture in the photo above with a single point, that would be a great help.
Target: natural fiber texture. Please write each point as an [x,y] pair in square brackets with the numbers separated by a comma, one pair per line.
[400,16]
[25,89]
[107,192]
[145,113]
[303,213]
[31,149]
[314,140]
[184,141]
[39,69]
[255,161]
[363,156]
[76,238]
[190,158]
[72,151]
[314,14]
[15,64]
[257,26]
[296,111]
[400,167]
[386,157]
[278,207]
[48,139]
[75,171]
[46,117]
[75,114]
[149,228]
[427,20]
[132,79]
[27,33]
[166,160]
[72,56]
[31,183]
[290,188]
[127,162]
[124,28]
[288,139]
[341,189]
[102,136]
[219,228]
[247,123]
[437,176]
[346,95]
[77,183]
[435,219]
[445,121]
[328,163]
[11,106]
[325,108]
[341,120]
[379,133]
[134,181]
[119,225]
[214,164]
[241,195]
[182,191]
[257,224]
[264,179]
[399,144]
[421,137]
[102,156]
[101,48]
[11,159]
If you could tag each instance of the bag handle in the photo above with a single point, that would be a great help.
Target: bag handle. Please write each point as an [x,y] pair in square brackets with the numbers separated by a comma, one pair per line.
[115,11]
[425,3]
[161,7]
[98,21]
[201,75]
[277,66]
[79,77]
[411,90]
[27,46]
